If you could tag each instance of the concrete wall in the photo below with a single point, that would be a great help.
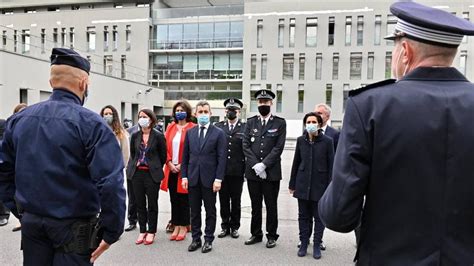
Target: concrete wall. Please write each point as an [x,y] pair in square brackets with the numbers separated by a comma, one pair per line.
[24,72]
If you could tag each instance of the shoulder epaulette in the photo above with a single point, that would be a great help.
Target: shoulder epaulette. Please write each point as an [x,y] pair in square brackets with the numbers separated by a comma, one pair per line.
[371,86]
[252,117]
[277,117]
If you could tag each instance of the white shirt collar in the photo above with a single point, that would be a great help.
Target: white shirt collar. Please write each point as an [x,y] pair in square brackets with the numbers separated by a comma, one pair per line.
[206,126]
[324,128]
[266,119]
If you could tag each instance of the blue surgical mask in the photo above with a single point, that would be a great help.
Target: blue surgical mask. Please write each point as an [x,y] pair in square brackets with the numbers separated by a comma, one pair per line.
[144,122]
[180,115]
[312,128]
[203,120]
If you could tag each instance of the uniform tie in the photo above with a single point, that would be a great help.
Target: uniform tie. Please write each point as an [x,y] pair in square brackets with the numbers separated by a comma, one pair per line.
[231,127]
[264,123]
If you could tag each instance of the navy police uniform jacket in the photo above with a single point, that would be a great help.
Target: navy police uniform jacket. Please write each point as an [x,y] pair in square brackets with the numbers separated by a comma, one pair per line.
[264,145]
[235,155]
[408,147]
[62,161]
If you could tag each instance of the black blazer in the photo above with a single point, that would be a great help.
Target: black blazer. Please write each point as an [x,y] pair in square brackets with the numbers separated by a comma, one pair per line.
[206,163]
[235,157]
[312,167]
[334,134]
[156,154]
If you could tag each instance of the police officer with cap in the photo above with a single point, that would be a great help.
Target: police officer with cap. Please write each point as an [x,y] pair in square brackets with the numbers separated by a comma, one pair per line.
[64,166]
[264,141]
[407,145]
[231,190]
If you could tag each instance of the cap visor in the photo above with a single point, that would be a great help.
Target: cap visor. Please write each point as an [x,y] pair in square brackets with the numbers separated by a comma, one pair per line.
[390,37]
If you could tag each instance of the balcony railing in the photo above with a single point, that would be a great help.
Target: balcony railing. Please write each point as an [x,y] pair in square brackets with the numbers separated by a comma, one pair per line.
[197,44]
[179,74]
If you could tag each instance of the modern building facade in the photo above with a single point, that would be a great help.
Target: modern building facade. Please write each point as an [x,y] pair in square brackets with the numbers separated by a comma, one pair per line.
[196,52]
[113,36]
[310,52]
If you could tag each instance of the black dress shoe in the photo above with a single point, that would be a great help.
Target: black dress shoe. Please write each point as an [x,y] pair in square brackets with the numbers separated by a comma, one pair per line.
[322,246]
[234,233]
[195,245]
[223,233]
[130,227]
[271,243]
[253,240]
[207,247]
[3,221]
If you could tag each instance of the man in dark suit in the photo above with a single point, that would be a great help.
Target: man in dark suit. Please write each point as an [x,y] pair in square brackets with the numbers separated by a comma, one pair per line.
[325,112]
[231,190]
[203,169]
[418,186]
[264,141]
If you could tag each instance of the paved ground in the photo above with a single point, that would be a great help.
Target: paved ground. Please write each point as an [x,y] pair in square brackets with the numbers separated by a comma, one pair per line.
[227,251]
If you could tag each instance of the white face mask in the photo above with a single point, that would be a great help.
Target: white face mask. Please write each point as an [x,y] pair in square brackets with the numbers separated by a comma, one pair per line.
[144,122]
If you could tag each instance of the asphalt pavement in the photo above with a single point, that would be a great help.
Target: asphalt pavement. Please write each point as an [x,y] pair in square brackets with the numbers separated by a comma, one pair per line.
[226,251]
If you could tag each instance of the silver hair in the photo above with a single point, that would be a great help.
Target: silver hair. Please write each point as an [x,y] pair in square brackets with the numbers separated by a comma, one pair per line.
[327,107]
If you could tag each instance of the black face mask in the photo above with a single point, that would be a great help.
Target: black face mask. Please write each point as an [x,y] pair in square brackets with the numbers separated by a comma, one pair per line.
[231,114]
[264,110]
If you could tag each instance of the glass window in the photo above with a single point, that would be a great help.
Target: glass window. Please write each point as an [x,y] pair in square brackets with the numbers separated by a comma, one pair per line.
[236,33]
[236,61]
[348,30]
[356,66]
[463,62]
[253,66]
[288,66]
[115,37]
[43,37]
[279,96]
[206,35]
[90,38]
[388,65]
[300,98]
[55,38]
[71,37]
[253,100]
[175,35]
[292,32]
[128,39]
[25,41]
[391,23]
[190,35]
[221,34]
[161,33]
[370,65]
[259,33]
[205,62]
[281,28]
[335,66]
[329,94]
[63,37]
[106,38]
[4,38]
[263,70]
[190,63]
[221,61]
[465,15]
[377,31]
[123,72]
[345,91]
[331,26]
[301,67]
[319,65]
[311,32]
[360,30]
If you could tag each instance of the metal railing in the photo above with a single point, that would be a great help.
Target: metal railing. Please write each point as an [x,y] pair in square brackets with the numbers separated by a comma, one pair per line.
[180,74]
[197,44]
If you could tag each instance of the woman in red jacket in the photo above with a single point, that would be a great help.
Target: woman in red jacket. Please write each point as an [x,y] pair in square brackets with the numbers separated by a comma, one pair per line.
[175,133]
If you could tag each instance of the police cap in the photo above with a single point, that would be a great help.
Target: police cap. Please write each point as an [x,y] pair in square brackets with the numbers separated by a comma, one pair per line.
[264,94]
[64,56]
[429,25]
[233,102]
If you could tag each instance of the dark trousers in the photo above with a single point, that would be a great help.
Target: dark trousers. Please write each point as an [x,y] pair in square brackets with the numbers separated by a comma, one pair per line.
[229,197]
[267,191]
[4,212]
[40,236]
[146,196]
[180,212]
[132,207]
[197,195]
[307,211]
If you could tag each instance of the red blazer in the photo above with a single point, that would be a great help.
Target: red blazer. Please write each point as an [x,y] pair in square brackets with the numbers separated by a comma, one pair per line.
[169,135]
